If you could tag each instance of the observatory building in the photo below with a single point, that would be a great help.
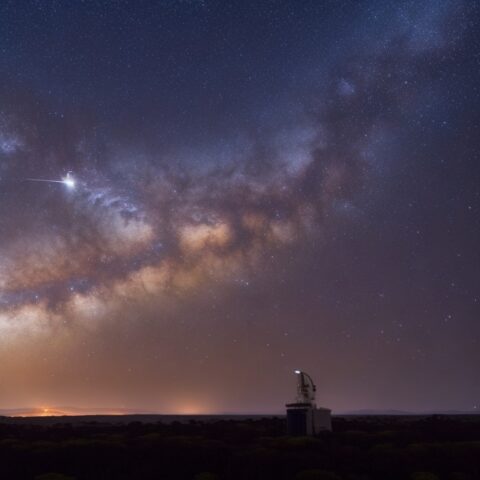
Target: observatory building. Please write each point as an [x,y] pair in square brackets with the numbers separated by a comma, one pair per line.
[303,416]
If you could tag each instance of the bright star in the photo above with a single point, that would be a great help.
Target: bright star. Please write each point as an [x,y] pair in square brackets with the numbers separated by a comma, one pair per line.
[69,181]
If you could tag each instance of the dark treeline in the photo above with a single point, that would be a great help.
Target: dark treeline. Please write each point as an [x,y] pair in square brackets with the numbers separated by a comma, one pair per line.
[360,448]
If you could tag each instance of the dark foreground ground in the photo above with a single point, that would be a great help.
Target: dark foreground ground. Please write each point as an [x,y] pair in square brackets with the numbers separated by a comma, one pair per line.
[360,448]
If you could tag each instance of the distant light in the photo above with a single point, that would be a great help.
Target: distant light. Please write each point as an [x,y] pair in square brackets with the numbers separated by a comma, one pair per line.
[298,372]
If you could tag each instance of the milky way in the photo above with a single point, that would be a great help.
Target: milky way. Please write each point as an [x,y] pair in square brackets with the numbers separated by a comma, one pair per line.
[257,189]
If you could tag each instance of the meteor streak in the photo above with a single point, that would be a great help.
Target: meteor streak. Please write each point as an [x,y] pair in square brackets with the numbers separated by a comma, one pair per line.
[69,181]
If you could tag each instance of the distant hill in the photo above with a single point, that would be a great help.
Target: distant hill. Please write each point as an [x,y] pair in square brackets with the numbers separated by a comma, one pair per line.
[70,411]
[406,412]
[126,412]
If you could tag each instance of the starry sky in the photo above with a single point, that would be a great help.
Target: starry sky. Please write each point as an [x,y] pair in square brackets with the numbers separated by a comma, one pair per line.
[260,186]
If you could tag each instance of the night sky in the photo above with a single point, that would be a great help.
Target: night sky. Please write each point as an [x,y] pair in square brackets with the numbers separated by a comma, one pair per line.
[252,187]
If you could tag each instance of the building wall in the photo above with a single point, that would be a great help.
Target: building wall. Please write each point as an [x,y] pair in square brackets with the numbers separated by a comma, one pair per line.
[322,420]
[299,421]
[306,420]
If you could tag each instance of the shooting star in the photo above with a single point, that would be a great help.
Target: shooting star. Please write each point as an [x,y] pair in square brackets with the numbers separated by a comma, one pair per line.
[68,180]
